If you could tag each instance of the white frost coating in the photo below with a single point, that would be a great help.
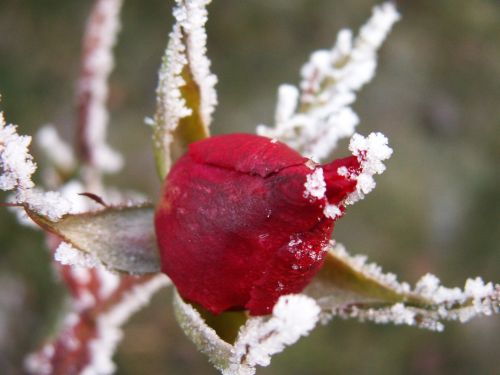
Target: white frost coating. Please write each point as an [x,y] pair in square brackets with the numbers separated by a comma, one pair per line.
[371,152]
[15,160]
[330,80]
[315,185]
[68,255]
[371,270]
[51,204]
[100,38]
[58,152]
[293,316]
[187,46]
[109,332]
[332,211]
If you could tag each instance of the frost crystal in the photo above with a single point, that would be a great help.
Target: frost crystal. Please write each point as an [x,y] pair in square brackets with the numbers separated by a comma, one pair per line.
[15,160]
[315,185]
[68,255]
[370,151]
[332,211]
[314,119]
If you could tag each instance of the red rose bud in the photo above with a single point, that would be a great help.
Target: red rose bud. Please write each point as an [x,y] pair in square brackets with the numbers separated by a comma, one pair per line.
[243,220]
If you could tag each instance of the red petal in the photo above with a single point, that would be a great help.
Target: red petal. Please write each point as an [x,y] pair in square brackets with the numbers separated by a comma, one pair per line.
[245,153]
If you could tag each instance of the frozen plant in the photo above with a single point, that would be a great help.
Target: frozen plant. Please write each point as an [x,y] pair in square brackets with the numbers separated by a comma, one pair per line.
[285,280]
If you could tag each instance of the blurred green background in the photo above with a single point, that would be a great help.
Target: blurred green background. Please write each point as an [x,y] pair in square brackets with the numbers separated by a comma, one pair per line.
[436,208]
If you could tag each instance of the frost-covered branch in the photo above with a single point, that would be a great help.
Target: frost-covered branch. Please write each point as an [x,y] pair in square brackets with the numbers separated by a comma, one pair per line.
[186,96]
[101,303]
[92,92]
[313,118]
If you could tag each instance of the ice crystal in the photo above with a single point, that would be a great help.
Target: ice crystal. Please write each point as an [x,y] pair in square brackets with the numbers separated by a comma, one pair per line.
[332,211]
[15,160]
[313,119]
[315,185]
[371,152]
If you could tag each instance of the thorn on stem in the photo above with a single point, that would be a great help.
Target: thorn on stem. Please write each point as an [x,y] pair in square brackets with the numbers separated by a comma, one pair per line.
[95,198]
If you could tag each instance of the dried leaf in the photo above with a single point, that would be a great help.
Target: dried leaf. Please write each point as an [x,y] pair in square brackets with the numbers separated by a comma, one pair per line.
[122,238]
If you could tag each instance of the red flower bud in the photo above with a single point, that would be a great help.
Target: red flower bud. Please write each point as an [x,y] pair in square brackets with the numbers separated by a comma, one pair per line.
[243,220]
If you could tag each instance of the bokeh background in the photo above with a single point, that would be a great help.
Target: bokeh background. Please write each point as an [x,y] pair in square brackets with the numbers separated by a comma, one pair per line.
[436,209]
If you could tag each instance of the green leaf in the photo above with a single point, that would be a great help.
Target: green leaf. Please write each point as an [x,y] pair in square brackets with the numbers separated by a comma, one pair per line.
[122,238]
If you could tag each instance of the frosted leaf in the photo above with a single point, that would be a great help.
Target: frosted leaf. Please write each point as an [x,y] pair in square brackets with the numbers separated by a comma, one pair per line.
[349,287]
[314,120]
[259,338]
[92,90]
[204,337]
[186,96]
[122,238]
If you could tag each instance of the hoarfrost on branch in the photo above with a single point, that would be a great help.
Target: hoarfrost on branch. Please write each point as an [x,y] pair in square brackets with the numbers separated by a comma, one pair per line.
[313,119]
[97,63]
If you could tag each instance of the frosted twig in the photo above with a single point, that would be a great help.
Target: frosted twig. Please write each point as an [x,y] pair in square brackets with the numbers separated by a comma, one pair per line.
[92,329]
[92,91]
[313,119]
